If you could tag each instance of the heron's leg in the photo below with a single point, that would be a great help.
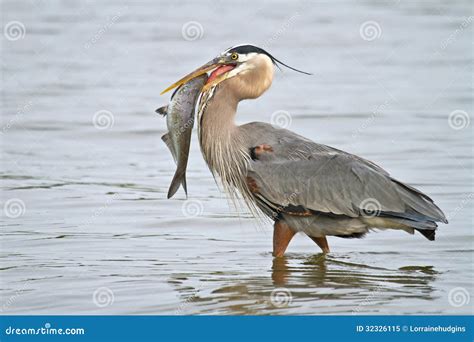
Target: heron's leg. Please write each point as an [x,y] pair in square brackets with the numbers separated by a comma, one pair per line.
[322,242]
[282,235]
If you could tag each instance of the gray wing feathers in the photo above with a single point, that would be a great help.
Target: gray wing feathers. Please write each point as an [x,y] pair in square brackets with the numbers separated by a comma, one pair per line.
[300,172]
[329,184]
[420,203]
[341,185]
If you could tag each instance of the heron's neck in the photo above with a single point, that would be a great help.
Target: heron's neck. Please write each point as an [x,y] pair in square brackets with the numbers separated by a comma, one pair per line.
[217,126]
[221,145]
[217,116]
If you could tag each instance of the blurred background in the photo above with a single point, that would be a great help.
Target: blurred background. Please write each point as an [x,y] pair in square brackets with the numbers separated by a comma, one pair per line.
[86,226]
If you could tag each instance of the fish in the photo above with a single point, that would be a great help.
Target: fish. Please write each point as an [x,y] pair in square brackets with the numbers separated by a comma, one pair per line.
[179,115]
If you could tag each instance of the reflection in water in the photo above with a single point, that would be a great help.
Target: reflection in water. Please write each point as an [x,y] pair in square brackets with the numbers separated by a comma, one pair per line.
[280,271]
[313,285]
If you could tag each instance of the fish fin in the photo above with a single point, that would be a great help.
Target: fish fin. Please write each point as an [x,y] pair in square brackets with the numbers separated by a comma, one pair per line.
[162,110]
[167,140]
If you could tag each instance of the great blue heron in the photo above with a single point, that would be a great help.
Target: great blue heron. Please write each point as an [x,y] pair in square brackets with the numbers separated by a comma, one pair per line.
[301,185]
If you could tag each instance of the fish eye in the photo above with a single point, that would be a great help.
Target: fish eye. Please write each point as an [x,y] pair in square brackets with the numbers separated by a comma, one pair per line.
[234,56]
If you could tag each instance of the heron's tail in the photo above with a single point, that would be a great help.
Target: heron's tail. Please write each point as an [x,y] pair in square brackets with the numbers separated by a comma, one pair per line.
[421,207]
[421,213]
[430,234]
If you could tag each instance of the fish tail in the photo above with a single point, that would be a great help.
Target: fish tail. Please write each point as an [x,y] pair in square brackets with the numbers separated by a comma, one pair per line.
[178,179]
[183,184]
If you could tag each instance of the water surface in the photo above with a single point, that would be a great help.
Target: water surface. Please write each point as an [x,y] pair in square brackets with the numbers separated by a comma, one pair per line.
[97,234]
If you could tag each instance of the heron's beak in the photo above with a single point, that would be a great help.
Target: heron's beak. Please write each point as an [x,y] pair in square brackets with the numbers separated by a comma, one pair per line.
[215,63]
[218,75]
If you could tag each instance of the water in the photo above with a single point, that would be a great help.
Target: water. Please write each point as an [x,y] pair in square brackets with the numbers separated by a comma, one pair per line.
[97,234]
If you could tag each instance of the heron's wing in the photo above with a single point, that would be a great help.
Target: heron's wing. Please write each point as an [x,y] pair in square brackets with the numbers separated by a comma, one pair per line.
[301,175]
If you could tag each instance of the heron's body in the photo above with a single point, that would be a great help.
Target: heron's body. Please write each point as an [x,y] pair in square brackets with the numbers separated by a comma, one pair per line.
[303,186]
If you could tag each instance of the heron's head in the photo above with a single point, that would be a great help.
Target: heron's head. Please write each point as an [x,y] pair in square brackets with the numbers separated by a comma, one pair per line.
[248,68]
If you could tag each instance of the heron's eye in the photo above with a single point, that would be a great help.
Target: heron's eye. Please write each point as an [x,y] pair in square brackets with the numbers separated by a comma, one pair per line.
[234,56]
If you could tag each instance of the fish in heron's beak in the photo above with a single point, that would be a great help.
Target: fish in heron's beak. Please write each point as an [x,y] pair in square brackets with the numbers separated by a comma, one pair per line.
[219,68]
[180,121]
